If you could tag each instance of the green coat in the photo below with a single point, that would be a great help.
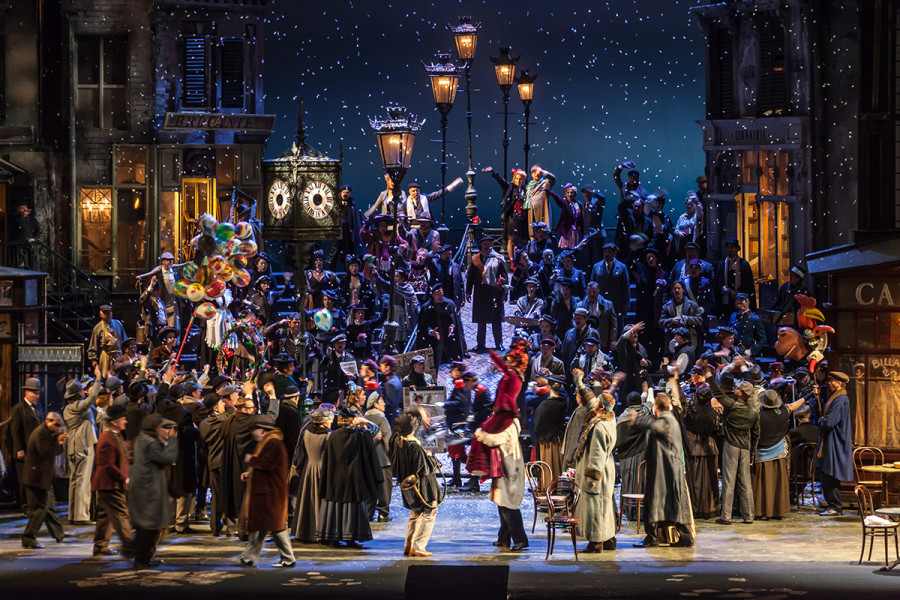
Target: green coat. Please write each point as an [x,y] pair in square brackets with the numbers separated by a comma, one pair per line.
[149,503]
[595,474]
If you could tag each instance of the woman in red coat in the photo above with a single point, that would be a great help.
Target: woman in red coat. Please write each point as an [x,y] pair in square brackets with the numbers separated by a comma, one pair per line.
[266,498]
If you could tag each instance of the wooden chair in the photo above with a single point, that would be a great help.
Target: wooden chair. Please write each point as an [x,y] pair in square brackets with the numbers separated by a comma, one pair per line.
[866,509]
[865,456]
[635,500]
[535,471]
[561,515]
[803,472]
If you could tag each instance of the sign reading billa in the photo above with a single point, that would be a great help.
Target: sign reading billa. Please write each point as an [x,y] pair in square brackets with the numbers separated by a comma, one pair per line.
[219,122]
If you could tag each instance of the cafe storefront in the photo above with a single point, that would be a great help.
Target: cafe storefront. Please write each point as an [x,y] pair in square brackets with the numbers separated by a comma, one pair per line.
[863,306]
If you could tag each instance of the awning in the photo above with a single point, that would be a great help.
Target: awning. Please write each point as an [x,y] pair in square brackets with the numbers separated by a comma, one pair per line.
[881,251]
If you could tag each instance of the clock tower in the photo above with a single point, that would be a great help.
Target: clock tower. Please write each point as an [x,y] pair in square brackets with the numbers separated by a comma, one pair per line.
[301,193]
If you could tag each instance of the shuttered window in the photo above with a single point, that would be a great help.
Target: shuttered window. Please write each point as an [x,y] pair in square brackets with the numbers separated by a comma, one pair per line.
[232,73]
[720,95]
[195,93]
[772,95]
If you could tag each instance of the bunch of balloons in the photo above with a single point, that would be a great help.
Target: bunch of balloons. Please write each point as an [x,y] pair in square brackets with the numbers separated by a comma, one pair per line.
[222,251]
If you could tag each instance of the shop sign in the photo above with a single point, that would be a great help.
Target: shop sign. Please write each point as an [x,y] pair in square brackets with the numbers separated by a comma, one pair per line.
[856,292]
[193,121]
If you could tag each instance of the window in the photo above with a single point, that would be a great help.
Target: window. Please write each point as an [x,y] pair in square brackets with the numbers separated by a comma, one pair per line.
[720,93]
[96,230]
[772,94]
[764,230]
[232,73]
[102,72]
[195,93]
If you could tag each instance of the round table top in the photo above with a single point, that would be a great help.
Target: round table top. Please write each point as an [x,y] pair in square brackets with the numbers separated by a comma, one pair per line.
[879,469]
[889,510]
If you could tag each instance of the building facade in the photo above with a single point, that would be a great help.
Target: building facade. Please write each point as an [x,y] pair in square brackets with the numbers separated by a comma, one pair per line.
[129,119]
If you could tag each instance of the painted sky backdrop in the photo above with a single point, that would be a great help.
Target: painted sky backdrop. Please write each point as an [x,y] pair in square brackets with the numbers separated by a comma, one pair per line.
[618,80]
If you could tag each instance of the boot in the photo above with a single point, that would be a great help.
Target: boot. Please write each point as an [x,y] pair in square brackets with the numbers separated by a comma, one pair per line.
[610,544]
[471,485]
[456,480]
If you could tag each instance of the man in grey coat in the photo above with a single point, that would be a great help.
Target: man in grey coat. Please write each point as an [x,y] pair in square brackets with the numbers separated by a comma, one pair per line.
[79,417]
[148,493]
[375,413]
[666,499]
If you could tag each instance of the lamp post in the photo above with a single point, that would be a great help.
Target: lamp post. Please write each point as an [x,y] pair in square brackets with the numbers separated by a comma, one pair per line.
[444,77]
[466,36]
[505,69]
[525,84]
[396,138]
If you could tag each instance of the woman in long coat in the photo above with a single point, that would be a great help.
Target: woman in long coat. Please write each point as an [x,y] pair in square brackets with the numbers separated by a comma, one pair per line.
[500,434]
[149,504]
[267,494]
[595,473]
[701,423]
[771,489]
[308,460]
[408,458]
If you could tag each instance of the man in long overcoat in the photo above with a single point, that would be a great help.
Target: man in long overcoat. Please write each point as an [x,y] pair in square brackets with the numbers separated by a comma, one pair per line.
[834,457]
[666,499]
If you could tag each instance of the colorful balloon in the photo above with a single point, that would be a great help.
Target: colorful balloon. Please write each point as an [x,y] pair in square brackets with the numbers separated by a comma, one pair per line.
[208,224]
[241,278]
[224,232]
[215,289]
[204,276]
[207,245]
[323,319]
[205,311]
[181,288]
[233,245]
[238,262]
[195,292]
[243,230]
[248,248]
[189,271]
[217,263]
[227,273]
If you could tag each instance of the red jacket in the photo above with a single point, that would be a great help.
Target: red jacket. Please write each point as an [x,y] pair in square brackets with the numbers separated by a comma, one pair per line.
[111,465]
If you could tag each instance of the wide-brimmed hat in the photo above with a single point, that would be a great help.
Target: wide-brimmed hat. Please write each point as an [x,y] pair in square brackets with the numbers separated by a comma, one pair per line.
[164,332]
[283,358]
[33,384]
[74,388]
[771,399]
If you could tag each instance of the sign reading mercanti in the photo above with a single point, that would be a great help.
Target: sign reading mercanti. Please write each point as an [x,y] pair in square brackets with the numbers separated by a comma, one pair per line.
[219,122]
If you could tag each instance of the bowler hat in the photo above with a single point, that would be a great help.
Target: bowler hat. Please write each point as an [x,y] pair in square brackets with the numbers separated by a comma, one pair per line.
[176,392]
[291,391]
[116,411]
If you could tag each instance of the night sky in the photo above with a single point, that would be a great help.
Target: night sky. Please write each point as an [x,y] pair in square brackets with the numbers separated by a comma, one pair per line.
[618,80]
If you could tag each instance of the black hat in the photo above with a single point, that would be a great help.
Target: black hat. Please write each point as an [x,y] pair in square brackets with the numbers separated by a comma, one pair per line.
[210,400]
[264,422]
[219,380]
[726,381]
[358,307]
[633,399]
[444,248]
[346,187]
[331,293]
[692,245]
[350,259]
[436,286]
[634,173]
[378,218]
[651,249]
[683,332]
[164,332]
[568,281]
[291,391]
[339,338]
[486,238]
[73,388]
[548,318]
[610,245]
[567,254]
[283,358]
[116,411]
[176,392]
[591,340]
[262,279]
[733,241]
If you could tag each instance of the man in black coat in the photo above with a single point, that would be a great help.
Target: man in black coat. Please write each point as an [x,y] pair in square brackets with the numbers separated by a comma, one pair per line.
[443,270]
[26,416]
[562,305]
[733,276]
[212,438]
[611,276]
[440,328]
[44,444]
[183,483]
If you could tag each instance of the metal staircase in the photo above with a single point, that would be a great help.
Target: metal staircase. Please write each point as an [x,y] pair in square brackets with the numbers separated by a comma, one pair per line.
[72,294]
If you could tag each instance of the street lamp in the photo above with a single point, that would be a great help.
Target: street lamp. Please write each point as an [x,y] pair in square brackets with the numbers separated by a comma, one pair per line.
[525,84]
[396,138]
[444,76]
[505,69]
[466,36]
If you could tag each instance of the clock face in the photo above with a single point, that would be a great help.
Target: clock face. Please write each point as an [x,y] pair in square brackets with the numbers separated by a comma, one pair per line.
[279,199]
[317,199]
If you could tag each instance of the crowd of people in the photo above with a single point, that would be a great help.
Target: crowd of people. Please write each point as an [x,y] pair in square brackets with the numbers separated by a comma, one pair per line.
[296,426]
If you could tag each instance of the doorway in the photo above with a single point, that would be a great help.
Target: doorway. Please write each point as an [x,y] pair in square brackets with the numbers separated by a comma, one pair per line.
[198,196]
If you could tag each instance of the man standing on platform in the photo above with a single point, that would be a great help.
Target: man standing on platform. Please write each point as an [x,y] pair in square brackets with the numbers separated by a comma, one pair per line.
[106,340]
[487,277]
